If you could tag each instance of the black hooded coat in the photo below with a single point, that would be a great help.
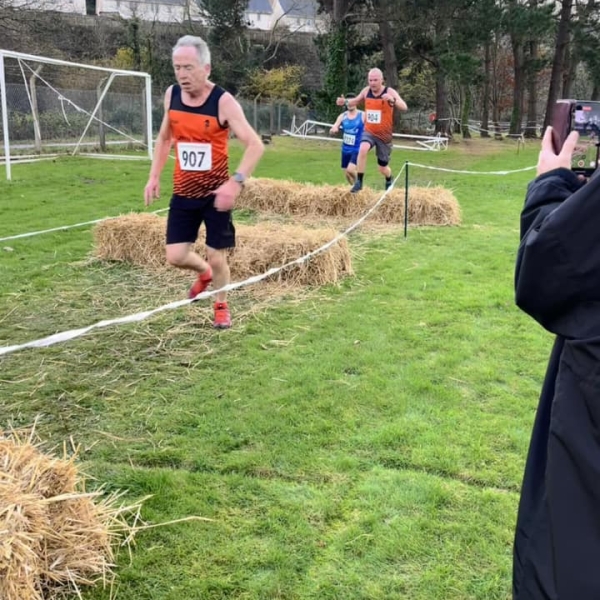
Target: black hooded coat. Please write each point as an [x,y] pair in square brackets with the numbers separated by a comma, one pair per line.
[557,282]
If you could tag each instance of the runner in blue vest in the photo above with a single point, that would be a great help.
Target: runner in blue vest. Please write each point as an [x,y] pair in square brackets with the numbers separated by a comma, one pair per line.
[351,122]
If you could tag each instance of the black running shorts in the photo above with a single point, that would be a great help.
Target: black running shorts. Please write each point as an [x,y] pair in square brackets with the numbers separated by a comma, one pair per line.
[186,215]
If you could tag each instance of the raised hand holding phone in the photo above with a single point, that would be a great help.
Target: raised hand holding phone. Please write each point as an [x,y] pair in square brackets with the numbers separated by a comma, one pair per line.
[550,158]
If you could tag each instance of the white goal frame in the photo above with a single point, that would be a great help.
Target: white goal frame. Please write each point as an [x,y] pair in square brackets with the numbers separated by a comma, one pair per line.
[112,74]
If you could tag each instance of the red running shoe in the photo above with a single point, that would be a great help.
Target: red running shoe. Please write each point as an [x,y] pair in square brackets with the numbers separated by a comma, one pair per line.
[202,282]
[222,316]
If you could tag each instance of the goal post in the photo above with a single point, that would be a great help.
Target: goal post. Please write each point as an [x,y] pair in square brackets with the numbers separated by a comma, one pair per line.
[55,106]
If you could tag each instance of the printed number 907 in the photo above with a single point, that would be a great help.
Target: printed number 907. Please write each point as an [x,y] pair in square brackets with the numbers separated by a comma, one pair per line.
[192,159]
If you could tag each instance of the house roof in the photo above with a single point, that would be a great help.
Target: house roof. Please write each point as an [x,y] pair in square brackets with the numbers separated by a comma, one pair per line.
[259,6]
[299,8]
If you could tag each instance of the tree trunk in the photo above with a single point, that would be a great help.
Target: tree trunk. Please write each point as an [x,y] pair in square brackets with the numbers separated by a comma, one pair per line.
[442,122]
[485,109]
[390,63]
[519,86]
[562,41]
[495,89]
[531,128]
[466,110]
[571,63]
[134,36]
[340,10]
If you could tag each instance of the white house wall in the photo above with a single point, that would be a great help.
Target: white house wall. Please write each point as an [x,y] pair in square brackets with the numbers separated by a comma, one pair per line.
[67,6]
[294,22]
[260,21]
[147,11]
[150,10]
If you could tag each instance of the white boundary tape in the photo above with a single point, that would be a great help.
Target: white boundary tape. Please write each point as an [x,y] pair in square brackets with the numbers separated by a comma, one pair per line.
[140,316]
[471,172]
[75,333]
[65,227]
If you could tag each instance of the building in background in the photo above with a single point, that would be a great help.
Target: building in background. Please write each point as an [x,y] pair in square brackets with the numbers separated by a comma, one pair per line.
[163,11]
[265,15]
[295,15]
[259,14]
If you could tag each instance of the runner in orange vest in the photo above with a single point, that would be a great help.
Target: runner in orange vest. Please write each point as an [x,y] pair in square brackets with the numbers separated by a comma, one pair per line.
[199,116]
[380,102]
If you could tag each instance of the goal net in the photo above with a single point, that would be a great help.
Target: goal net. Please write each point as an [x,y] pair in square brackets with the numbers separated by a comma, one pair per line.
[51,107]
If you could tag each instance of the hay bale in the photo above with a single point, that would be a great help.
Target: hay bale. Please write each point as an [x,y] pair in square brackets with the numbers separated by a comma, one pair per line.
[426,206]
[136,238]
[262,247]
[270,195]
[140,239]
[54,537]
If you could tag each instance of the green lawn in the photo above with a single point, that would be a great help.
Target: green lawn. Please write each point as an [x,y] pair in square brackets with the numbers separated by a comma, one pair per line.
[359,441]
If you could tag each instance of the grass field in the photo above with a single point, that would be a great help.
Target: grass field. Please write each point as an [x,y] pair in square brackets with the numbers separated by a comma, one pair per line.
[356,442]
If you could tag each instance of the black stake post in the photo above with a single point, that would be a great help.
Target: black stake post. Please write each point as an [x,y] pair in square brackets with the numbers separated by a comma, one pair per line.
[406,198]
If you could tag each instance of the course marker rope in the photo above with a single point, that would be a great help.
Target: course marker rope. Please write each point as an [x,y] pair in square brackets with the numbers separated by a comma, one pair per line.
[412,164]
[65,227]
[140,316]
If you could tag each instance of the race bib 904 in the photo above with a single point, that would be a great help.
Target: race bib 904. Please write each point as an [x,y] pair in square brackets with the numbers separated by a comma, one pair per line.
[349,139]
[194,156]
[373,116]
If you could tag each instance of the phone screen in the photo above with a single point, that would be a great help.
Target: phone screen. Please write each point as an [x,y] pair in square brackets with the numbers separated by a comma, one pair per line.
[585,119]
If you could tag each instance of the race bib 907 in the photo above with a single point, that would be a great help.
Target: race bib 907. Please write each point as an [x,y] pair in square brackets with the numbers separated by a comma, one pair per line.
[194,156]
[373,116]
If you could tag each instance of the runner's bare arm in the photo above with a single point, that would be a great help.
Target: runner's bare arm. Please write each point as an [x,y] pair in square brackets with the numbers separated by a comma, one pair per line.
[161,154]
[336,126]
[231,112]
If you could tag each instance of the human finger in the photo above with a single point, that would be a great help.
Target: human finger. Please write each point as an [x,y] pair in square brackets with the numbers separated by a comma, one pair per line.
[570,143]
[218,203]
[547,143]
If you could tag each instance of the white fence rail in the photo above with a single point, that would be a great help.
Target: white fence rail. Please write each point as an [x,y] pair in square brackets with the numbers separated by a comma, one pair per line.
[313,130]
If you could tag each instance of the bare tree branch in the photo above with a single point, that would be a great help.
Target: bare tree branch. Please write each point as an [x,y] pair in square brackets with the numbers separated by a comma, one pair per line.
[278,34]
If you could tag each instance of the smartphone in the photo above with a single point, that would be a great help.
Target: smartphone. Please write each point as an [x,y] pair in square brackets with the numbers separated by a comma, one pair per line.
[582,116]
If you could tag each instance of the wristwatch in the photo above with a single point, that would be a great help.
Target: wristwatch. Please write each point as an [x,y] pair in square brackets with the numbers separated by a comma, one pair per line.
[239,178]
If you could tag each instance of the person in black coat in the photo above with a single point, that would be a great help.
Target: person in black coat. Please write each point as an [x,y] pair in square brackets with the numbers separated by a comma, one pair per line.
[557,282]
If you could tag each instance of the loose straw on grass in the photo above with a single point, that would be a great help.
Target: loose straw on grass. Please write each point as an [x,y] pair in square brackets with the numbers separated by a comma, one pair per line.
[54,536]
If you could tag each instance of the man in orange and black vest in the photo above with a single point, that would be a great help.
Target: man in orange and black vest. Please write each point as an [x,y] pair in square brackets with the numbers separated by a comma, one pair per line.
[199,116]
[380,102]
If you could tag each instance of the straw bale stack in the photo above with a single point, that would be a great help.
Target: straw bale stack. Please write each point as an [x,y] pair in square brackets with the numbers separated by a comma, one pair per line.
[54,537]
[268,245]
[426,206]
[139,239]
[136,238]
